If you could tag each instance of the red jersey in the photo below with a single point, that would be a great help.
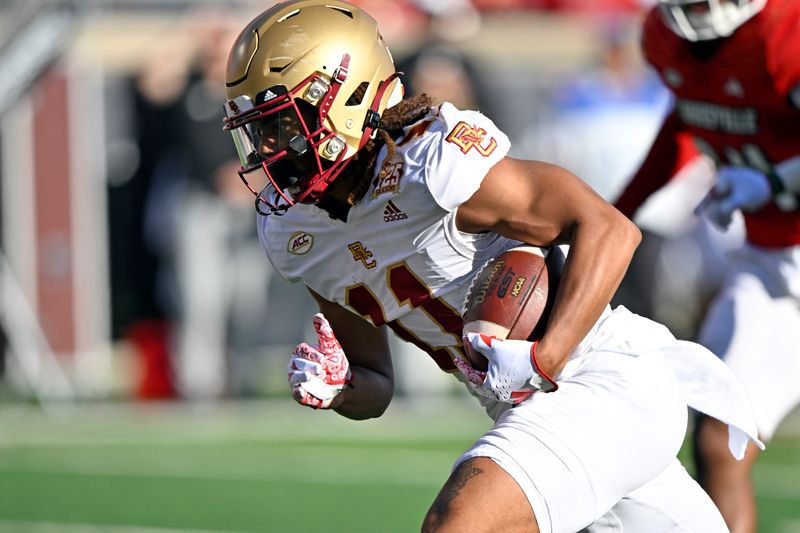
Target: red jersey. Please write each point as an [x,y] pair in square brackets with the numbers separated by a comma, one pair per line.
[737,98]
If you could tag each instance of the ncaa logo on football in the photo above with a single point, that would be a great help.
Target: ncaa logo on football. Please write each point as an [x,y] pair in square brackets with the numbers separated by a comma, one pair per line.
[300,243]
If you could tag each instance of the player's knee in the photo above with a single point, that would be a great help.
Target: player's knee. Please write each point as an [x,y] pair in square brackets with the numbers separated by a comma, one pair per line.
[475,498]
[444,514]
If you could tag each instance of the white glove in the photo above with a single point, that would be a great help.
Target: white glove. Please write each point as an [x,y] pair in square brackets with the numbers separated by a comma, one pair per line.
[512,374]
[736,188]
[317,374]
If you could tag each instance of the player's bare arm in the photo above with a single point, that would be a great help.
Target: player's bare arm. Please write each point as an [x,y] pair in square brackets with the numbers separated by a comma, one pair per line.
[367,348]
[544,204]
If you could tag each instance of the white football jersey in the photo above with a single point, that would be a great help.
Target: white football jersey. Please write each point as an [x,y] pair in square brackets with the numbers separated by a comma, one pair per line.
[399,259]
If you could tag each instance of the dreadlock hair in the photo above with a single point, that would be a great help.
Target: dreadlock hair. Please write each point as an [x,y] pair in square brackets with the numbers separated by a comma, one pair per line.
[391,126]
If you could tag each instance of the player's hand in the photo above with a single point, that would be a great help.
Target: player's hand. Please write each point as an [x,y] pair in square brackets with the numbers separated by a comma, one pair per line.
[737,188]
[317,374]
[512,374]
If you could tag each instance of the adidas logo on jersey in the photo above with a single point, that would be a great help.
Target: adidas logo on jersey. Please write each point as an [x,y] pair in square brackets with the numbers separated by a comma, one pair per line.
[733,87]
[392,213]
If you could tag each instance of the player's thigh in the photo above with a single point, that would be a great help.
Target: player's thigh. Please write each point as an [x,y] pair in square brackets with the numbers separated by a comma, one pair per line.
[480,497]
[749,328]
[671,502]
[604,433]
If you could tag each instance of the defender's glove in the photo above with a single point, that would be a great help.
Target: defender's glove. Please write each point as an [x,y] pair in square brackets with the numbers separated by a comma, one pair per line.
[512,374]
[741,188]
[317,374]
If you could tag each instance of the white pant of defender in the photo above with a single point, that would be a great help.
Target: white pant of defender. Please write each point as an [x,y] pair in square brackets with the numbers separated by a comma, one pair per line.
[753,324]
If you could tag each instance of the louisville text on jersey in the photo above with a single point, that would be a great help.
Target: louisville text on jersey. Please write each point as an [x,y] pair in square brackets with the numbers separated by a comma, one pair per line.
[468,137]
[715,117]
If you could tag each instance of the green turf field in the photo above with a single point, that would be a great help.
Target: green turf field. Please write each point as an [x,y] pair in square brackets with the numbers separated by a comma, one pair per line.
[260,466]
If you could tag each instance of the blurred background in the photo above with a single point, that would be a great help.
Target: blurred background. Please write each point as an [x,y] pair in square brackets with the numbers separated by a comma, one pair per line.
[139,317]
[130,264]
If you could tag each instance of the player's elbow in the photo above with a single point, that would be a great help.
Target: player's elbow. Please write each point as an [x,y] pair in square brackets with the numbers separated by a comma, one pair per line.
[367,398]
[626,234]
[618,229]
[631,234]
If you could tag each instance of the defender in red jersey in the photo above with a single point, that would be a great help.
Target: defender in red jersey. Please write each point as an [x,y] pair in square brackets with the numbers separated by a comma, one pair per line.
[734,69]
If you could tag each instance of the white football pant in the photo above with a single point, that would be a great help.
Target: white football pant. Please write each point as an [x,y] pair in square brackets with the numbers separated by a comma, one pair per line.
[754,326]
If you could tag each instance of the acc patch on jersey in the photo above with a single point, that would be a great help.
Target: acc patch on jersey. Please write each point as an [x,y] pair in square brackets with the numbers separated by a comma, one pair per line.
[300,243]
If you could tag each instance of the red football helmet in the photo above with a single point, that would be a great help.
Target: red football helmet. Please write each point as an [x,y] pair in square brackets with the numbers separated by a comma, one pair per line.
[307,82]
[702,20]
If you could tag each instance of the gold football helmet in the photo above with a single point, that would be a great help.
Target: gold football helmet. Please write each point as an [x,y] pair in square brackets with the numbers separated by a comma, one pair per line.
[702,20]
[307,82]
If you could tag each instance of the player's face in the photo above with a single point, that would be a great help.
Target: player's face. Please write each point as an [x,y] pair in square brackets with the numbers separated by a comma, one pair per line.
[280,140]
[276,133]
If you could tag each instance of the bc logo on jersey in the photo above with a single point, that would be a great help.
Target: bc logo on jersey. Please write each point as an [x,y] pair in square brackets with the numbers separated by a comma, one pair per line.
[362,254]
[300,243]
[468,137]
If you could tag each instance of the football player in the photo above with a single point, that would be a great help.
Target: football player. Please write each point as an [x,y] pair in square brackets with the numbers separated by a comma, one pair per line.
[385,207]
[734,69]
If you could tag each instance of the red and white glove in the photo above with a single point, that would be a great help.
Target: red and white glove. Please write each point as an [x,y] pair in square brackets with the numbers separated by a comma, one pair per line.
[317,374]
[737,188]
[512,374]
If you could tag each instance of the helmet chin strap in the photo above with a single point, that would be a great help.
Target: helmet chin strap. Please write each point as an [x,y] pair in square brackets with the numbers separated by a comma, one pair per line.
[373,118]
[277,210]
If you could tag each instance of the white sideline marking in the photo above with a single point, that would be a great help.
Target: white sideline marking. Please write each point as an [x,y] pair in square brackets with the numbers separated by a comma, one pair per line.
[318,478]
[13,526]
[67,527]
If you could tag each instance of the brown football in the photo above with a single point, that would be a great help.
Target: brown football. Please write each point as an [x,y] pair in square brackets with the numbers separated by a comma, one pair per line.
[511,295]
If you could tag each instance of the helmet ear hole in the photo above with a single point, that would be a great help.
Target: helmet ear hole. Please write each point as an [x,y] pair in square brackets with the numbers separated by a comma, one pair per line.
[358,95]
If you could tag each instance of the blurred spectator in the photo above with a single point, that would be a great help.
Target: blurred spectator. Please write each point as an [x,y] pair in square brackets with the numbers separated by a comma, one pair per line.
[601,124]
[602,119]
[438,67]
[212,278]
[595,6]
